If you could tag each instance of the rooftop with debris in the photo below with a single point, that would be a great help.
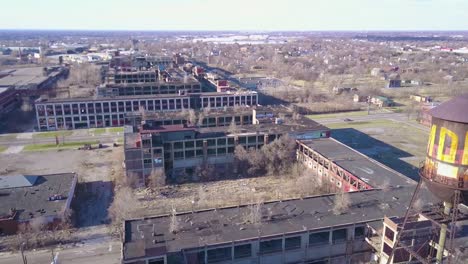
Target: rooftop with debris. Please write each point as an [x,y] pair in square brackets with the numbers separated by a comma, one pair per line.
[23,197]
[152,235]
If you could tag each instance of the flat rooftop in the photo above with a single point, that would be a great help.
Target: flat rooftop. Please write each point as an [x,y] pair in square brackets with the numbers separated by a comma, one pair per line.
[143,97]
[29,195]
[301,125]
[25,76]
[367,169]
[215,112]
[227,225]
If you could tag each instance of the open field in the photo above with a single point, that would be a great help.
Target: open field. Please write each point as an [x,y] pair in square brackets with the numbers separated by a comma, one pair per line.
[2,148]
[398,145]
[334,115]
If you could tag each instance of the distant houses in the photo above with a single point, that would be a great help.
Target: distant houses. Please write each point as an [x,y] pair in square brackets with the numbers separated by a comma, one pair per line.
[420,99]
[382,101]
[394,81]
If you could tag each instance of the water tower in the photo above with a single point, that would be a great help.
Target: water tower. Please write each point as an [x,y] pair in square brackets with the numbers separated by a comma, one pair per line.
[445,173]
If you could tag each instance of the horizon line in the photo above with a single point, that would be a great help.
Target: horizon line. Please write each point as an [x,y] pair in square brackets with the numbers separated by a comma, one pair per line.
[240,30]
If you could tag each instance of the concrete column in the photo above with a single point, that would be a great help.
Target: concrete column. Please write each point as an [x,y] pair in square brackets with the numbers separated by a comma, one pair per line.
[37,118]
[47,117]
[55,117]
[443,233]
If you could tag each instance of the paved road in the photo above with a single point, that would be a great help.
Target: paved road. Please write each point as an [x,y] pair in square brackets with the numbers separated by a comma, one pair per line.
[102,252]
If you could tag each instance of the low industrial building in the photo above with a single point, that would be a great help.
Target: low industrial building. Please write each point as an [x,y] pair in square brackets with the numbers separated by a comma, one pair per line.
[180,148]
[25,198]
[31,80]
[73,113]
[146,82]
[306,230]
[303,230]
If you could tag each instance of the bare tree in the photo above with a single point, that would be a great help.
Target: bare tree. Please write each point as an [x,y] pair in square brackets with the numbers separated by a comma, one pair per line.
[84,75]
[410,109]
[38,224]
[157,178]
[254,213]
[341,203]
[201,117]
[192,117]
[233,129]
[123,207]
[174,224]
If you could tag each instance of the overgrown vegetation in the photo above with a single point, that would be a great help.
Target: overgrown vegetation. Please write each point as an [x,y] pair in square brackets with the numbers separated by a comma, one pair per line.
[276,158]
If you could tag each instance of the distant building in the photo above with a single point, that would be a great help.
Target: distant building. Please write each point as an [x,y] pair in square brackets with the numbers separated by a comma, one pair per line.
[259,82]
[424,117]
[394,81]
[146,82]
[382,101]
[26,198]
[340,90]
[377,72]
[420,99]
[32,80]
[357,98]
[74,113]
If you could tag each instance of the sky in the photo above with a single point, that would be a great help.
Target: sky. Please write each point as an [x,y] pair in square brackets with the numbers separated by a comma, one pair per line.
[248,15]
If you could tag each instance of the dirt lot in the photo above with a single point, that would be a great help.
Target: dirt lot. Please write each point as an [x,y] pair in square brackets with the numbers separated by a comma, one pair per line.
[93,193]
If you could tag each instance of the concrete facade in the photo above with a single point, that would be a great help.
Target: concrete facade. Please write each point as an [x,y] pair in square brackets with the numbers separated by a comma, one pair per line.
[107,112]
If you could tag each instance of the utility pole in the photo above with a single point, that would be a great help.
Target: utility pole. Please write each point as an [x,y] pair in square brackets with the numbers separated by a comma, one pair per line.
[23,257]
[368,104]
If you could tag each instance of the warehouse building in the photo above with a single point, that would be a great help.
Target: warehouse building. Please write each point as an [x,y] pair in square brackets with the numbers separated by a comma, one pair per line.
[180,148]
[74,113]
[303,230]
[148,81]
[292,231]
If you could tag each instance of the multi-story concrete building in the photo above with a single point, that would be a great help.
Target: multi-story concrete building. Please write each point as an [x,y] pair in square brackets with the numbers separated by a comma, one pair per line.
[73,113]
[292,231]
[178,148]
[146,82]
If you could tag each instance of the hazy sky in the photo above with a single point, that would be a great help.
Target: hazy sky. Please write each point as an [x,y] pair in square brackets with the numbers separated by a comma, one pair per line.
[236,14]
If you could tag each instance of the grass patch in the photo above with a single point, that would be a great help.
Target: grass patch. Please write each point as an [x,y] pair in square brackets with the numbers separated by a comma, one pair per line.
[116,129]
[342,114]
[100,131]
[378,123]
[66,145]
[3,148]
[52,134]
